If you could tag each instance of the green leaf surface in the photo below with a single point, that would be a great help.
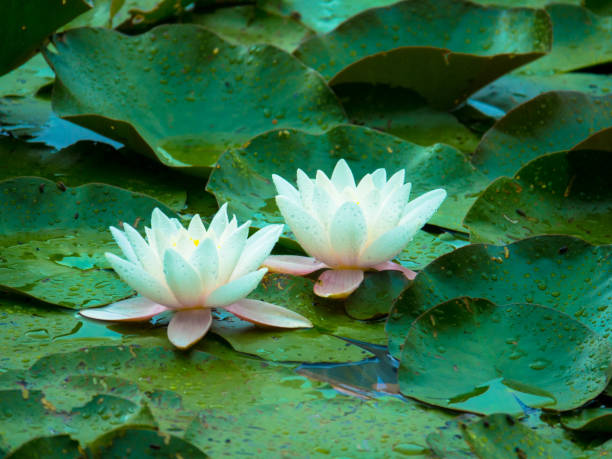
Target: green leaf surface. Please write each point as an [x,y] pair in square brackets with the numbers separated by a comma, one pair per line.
[243,177]
[24,26]
[502,436]
[54,447]
[589,420]
[416,44]
[471,355]
[27,79]
[600,7]
[560,272]
[375,295]
[185,107]
[550,122]
[405,114]
[581,39]
[559,193]
[53,239]
[250,25]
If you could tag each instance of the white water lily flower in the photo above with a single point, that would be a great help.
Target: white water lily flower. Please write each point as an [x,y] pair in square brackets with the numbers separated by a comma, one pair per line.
[190,271]
[347,227]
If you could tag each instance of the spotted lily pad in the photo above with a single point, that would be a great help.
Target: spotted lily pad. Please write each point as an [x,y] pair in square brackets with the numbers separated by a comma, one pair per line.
[589,420]
[472,355]
[550,122]
[244,176]
[417,44]
[27,79]
[560,272]
[560,193]
[184,107]
[54,447]
[53,239]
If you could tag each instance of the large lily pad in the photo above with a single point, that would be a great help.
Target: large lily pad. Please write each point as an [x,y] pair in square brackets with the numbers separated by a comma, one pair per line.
[589,420]
[185,107]
[416,44]
[472,355]
[54,238]
[244,177]
[27,79]
[559,193]
[560,272]
[582,39]
[550,122]
[24,26]
[54,447]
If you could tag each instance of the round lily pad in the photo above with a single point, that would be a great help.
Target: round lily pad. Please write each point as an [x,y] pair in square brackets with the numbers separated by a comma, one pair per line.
[471,355]
[550,122]
[184,106]
[560,193]
[561,272]
[417,44]
[243,177]
[589,420]
[53,239]
[54,447]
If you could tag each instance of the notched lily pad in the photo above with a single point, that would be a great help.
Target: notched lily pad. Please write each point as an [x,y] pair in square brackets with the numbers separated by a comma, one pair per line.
[184,106]
[417,44]
[472,355]
[54,238]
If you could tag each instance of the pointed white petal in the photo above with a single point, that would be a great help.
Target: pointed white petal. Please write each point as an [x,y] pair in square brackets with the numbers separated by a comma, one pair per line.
[285,188]
[390,210]
[196,228]
[219,221]
[137,309]
[389,244]
[336,283]
[235,290]
[379,177]
[305,187]
[347,233]
[124,244]
[366,185]
[141,281]
[292,264]
[229,249]
[271,315]
[160,222]
[188,327]
[395,181]
[342,176]
[323,206]
[182,279]
[205,260]
[256,249]
[146,255]
[423,207]
[323,182]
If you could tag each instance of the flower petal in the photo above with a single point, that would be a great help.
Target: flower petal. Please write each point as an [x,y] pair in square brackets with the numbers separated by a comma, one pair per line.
[131,310]
[423,207]
[392,266]
[338,283]
[196,228]
[141,281]
[219,222]
[390,210]
[235,290]
[262,313]
[124,244]
[160,222]
[379,177]
[189,326]
[292,264]
[305,187]
[205,260]
[342,176]
[283,187]
[347,233]
[389,244]
[256,249]
[395,181]
[230,249]
[146,255]
[182,279]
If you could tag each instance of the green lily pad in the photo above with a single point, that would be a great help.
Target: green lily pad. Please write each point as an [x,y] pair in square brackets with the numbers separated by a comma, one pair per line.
[550,122]
[87,162]
[471,355]
[405,114]
[425,248]
[560,272]
[501,435]
[589,420]
[417,44]
[512,90]
[582,39]
[239,91]
[27,79]
[55,447]
[600,7]
[136,441]
[243,177]
[249,25]
[601,141]
[376,295]
[559,193]
[24,26]
[53,239]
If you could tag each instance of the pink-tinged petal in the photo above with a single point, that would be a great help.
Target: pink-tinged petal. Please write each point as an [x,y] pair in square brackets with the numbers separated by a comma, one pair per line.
[267,314]
[188,326]
[136,309]
[392,266]
[338,283]
[292,264]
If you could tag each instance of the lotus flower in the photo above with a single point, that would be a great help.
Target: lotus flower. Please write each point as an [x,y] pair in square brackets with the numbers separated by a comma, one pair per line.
[190,271]
[349,228]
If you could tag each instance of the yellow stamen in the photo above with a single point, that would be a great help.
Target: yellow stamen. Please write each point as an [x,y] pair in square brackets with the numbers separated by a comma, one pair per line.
[196,242]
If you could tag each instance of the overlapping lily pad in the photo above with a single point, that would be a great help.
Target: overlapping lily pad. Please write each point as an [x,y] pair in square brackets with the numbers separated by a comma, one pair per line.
[509,356]
[27,79]
[244,176]
[550,122]
[589,420]
[560,193]
[416,44]
[24,26]
[54,238]
[560,272]
[184,106]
